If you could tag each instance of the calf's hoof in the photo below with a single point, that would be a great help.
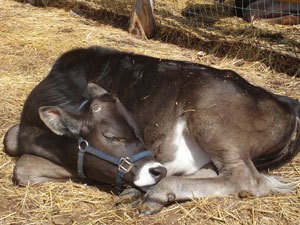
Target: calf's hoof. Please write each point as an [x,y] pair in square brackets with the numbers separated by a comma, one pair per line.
[129,195]
[149,207]
[152,205]
[245,194]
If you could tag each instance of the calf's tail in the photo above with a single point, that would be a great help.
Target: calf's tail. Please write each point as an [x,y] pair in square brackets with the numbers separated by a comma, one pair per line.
[292,149]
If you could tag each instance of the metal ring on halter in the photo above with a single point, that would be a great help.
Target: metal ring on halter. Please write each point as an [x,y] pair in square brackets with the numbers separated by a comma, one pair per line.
[83,144]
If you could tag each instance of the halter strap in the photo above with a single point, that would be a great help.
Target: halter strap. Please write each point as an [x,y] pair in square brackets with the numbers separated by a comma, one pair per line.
[82,105]
[124,164]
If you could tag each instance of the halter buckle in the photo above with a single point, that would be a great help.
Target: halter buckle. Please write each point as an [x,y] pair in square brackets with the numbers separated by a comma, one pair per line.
[125,165]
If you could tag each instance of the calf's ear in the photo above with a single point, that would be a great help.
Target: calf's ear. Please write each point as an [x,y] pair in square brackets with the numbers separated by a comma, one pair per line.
[95,90]
[59,121]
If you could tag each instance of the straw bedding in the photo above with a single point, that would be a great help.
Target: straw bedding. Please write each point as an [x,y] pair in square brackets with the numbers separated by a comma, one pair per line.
[30,40]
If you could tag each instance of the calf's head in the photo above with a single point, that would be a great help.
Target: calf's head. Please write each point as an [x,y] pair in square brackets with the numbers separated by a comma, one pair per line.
[104,125]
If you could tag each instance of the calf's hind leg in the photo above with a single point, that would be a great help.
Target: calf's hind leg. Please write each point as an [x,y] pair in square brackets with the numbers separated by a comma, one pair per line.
[31,169]
[10,141]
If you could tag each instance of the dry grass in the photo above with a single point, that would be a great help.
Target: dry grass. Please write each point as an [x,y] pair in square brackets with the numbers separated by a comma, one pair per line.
[30,40]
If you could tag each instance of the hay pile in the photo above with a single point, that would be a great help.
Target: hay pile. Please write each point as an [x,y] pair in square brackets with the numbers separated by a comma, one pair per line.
[30,41]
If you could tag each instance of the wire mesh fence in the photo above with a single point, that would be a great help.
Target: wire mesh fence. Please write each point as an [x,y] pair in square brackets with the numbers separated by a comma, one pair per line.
[219,21]
[223,26]
[218,25]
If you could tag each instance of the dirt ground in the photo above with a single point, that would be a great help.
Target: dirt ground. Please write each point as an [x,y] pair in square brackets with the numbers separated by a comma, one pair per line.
[31,39]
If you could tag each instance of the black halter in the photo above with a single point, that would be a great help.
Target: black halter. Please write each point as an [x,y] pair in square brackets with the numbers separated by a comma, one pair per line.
[124,164]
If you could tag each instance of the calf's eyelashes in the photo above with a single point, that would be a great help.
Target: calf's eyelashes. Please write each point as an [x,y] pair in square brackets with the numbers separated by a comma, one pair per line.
[112,138]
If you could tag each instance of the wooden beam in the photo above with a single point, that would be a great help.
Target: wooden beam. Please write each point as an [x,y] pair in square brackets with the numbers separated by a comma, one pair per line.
[142,22]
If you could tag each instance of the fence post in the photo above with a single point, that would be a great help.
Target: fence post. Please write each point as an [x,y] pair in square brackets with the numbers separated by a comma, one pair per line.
[142,22]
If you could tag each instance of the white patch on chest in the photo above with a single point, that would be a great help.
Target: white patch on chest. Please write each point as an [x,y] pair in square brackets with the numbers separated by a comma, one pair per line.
[189,157]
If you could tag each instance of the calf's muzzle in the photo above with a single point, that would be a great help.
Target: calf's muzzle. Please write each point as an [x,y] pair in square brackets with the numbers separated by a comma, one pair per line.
[124,164]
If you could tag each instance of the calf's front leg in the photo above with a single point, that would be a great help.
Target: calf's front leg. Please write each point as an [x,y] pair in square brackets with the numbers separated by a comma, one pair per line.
[31,169]
[242,177]
[174,188]
[132,195]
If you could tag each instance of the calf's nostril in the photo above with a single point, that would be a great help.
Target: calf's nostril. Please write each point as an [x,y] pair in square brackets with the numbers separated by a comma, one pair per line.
[158,172]
[155,172]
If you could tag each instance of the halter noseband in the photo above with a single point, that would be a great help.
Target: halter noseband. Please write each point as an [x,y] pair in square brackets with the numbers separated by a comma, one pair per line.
[124,164]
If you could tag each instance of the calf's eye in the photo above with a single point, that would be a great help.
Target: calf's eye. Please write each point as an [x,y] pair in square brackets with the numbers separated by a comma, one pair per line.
[110,137]
[96,108]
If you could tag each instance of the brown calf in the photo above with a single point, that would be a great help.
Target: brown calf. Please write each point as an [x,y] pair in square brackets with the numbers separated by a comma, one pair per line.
[189,114]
